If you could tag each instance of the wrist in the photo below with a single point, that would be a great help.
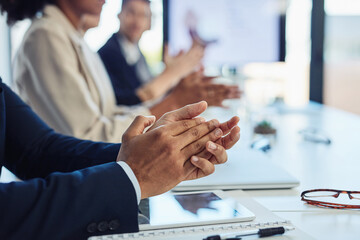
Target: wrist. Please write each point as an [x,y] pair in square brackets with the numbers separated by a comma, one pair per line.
[145,93]
[169,103]
[133,178]
[173,72]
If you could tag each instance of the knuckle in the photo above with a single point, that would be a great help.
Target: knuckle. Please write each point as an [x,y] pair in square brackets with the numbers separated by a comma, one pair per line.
[140,118]
[209,125]
[197,146]
[212,124]
[160,134]
[185,124]
[195,132]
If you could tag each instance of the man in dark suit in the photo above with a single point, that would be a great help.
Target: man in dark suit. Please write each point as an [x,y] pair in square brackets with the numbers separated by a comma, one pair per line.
[74,189]
[130,75]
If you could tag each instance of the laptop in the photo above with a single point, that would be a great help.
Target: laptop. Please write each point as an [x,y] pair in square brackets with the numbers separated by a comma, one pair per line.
[249,170]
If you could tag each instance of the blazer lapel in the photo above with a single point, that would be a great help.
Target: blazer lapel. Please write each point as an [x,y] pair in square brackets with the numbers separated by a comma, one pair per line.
[84,69]
[96,76]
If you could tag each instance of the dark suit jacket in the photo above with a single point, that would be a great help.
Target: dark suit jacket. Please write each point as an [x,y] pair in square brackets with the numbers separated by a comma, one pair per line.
[73,189]
[123,76]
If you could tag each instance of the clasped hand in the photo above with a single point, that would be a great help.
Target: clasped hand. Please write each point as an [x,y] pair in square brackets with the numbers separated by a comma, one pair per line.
[177,147]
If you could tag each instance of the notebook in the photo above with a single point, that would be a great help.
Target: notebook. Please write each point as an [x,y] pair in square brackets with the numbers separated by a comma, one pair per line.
[245,169]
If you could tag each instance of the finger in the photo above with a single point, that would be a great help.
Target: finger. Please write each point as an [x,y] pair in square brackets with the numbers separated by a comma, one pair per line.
[222,89]
[226,142]
[231,139]
[205,153]
[138,126]
[184,125]
[198,167]
[193,134]
[219,155]
[208,79]
[202,68]
[233,92]
[199,145]
[228,125]
[236,95]
[187,112]
[216,101]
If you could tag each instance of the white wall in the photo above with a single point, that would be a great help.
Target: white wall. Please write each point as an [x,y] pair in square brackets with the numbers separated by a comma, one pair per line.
[5,63]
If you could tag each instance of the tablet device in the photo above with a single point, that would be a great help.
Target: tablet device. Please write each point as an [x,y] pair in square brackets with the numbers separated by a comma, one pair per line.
[172,210]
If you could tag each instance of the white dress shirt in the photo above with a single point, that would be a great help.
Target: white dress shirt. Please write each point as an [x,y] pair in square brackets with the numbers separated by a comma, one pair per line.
[132,178]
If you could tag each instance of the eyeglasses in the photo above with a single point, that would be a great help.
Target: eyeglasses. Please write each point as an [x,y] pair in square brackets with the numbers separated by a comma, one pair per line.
[315,135]
[331,198]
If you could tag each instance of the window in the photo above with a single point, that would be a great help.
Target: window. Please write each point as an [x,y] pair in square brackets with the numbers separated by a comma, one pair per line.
[342,55]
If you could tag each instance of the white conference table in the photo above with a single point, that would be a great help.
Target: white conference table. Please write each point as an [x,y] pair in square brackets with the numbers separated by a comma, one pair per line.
[316,165]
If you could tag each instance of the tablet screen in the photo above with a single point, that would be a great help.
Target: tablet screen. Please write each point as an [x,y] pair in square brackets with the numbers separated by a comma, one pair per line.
[187,209]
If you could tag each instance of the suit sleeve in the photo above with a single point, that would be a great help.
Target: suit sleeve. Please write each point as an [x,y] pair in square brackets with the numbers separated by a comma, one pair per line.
[98,200]
[75,189]
[57,89]
[32,149]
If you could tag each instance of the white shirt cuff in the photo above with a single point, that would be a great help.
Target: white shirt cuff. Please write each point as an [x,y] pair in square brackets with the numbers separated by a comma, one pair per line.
[132,178]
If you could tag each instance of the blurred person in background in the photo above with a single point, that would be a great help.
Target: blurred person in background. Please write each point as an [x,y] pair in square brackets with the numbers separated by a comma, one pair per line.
[130,74]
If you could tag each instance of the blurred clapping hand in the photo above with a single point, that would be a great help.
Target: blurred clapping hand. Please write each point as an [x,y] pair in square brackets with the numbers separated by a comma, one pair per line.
[196,87]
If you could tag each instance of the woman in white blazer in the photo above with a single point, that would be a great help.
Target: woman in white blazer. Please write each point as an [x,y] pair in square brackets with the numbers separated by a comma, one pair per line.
[66,83]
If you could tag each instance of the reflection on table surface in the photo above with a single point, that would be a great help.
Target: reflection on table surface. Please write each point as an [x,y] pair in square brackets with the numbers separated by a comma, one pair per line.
[315,164]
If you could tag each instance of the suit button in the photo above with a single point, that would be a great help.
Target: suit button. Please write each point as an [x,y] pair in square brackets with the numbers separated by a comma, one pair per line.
[103,226]
[114,224]
[91,228]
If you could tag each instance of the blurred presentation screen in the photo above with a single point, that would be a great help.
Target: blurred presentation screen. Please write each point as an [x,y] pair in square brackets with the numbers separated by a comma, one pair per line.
[236,31]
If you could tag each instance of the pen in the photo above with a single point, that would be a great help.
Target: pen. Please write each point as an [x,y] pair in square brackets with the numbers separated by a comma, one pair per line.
[265,232]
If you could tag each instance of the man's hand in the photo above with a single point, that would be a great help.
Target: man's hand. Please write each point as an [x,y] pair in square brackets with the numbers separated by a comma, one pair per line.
[215,152]
[160,158]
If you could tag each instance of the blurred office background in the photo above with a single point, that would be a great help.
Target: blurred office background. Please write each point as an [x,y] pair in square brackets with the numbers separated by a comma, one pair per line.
[295,80]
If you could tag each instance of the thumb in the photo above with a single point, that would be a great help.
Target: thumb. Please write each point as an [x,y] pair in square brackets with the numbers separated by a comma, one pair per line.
[188,112]
[138,126]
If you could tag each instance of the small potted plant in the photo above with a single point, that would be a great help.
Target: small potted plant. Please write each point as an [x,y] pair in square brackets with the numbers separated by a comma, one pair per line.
[264,136]
[264,128]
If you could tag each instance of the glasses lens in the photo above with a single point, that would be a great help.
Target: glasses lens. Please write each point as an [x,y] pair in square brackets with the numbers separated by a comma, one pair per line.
[331,197]
[321,194]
